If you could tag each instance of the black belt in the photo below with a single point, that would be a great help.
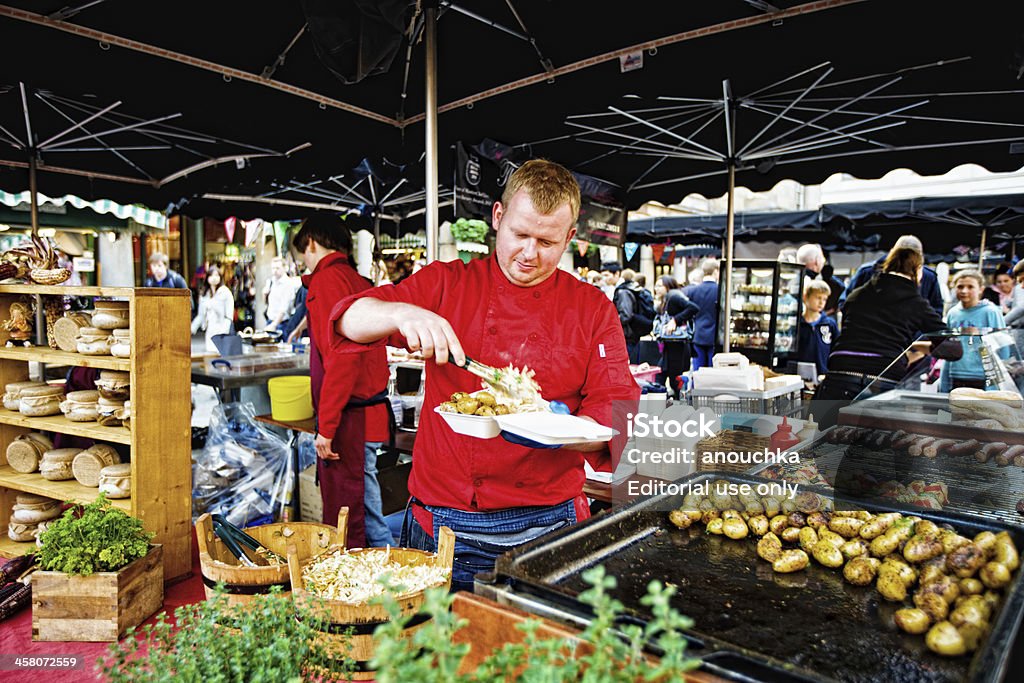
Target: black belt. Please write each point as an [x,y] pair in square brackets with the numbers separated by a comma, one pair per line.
[374,400]
[862,376]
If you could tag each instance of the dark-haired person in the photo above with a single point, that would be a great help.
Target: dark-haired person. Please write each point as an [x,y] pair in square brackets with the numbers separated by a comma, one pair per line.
[161,275]
[677,311]
[880,321]
[216,309]
[514,308]
[349,389]
[928,282]
[1000,292]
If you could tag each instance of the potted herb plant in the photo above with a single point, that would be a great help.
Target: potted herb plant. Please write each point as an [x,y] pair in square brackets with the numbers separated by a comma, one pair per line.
[274,638]
[268,639]
[99,575]
[470,237]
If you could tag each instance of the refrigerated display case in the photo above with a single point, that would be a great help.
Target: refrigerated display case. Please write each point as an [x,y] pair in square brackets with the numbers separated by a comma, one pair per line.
[767,302]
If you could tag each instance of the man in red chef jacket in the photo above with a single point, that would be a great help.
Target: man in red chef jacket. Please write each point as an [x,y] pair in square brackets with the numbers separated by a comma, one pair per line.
[516,308]
[349,389]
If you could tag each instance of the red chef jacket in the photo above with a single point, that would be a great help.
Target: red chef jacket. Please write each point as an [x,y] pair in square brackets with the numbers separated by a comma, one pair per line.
[566,330]
[344,375]
[336,379]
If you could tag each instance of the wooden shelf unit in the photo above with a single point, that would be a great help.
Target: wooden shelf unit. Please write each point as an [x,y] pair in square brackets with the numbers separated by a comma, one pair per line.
[160,435]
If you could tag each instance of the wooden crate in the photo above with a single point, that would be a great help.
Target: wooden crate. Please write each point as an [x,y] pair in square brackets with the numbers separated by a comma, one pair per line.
[99,607]
[492,625]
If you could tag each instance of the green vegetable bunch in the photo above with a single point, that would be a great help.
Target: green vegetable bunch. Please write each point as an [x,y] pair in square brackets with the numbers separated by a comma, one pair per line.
[270,639]
[612,654]
[470,230]
[96,538]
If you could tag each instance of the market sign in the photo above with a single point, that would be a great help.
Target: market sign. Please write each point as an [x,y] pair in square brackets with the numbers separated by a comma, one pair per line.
[481,172]
[84,265]
[603,213]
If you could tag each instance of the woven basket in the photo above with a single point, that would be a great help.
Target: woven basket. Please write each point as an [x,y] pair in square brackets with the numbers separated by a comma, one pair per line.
[730,441]
[65,330]
[25,452]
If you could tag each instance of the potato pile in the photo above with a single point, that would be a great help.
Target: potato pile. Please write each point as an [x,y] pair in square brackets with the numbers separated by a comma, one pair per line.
[481,403]
[958,579]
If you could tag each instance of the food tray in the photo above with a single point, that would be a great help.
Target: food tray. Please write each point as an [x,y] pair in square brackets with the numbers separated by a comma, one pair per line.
[253,363]
[973,487]
[809,623]
[478,426]
[546,428]
[918,413]
[554,429]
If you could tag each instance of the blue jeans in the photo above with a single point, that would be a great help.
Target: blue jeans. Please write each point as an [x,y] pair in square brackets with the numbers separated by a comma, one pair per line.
[377,532]
[481,536]
[702,356]
[633,351]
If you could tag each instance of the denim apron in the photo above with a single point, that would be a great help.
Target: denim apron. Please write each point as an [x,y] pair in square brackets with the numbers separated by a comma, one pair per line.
[481,536]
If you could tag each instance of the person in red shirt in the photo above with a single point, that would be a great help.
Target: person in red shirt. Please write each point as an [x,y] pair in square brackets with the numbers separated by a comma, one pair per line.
[514,308]
[349,390]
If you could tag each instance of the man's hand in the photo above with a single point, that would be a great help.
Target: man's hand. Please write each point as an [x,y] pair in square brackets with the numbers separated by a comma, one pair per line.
[430,334]
[369,320]
[323,448]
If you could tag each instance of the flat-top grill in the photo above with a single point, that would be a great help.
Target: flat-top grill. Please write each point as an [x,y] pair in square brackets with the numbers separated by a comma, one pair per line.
[749,620]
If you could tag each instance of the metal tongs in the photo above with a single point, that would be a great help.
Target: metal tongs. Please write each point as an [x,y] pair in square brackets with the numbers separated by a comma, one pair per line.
[236,541]
[494,377]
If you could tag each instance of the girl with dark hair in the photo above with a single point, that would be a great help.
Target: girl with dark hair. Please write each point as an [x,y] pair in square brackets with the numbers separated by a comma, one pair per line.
[880,320]
[1000,292]
[674,315]
[216,309]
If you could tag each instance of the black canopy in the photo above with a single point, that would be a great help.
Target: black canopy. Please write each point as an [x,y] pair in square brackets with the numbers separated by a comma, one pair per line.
[976,211]
[691,229]
[249,72]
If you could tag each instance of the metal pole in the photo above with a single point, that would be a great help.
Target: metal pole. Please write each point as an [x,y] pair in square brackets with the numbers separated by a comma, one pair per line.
[432,188]
[729,226]
[34,213]
[981,252]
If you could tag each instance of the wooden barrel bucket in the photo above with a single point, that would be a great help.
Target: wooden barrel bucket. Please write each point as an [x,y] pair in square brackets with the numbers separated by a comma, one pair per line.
[339,618]
[241,583]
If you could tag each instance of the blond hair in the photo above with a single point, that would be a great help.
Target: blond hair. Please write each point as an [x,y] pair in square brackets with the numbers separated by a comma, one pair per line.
[709,266]
[548,184]
[973,274]
[817,287]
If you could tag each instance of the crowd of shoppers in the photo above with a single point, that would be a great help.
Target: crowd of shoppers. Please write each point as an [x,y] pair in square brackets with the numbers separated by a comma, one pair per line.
[884,319]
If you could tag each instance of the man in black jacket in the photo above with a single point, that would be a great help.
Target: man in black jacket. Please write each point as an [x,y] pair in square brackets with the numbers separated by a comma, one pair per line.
[635,324]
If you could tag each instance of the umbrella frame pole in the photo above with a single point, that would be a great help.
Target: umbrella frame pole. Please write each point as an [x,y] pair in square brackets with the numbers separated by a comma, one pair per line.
[33,192]
[432,188]
[729,229]
[981,251]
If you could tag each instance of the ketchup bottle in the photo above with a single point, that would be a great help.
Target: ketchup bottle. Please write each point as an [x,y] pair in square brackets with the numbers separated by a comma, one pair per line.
[783,439]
